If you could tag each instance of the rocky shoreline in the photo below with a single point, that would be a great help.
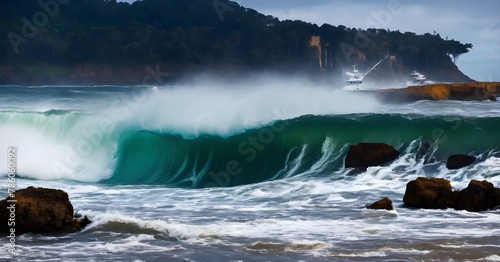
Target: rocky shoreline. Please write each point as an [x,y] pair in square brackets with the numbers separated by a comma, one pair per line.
[473,91]
[430,193]
[436,193]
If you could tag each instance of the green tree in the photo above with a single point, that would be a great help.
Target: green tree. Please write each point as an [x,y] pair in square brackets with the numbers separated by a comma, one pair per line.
[455,49]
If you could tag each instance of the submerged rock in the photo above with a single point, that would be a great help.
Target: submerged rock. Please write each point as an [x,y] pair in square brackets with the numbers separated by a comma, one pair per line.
[432,193]
[384,203]
[365,155]
[459,161]
[39,210]
[478,196]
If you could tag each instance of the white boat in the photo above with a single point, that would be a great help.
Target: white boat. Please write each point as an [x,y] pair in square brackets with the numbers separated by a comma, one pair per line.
[417,78]
[355,78]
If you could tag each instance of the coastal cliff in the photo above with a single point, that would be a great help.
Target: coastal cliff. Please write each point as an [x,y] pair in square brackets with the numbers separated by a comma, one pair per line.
[478,91]
[193,37]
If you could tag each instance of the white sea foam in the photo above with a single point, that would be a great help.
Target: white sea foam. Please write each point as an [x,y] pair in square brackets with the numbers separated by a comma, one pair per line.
[491,258]
[361,254]
[315,216]
[230,108]
[133,243]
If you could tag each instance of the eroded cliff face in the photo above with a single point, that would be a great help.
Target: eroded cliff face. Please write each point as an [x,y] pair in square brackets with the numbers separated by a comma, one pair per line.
[456,91]
[392,71]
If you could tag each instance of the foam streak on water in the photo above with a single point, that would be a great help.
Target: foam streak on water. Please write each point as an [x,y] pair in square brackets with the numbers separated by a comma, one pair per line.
[142,163]
[282,219]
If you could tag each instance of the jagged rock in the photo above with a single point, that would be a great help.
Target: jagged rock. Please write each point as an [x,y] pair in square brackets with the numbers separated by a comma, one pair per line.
[459,161]
[432,193]
[478,196]
[365,155]
[384,203]
[39,210]
[492,97]
[436,193]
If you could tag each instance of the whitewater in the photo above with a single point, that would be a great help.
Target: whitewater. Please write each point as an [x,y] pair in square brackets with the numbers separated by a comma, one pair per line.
[213,171]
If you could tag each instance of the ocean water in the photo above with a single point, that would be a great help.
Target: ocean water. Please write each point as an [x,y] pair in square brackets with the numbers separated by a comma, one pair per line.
[218,172]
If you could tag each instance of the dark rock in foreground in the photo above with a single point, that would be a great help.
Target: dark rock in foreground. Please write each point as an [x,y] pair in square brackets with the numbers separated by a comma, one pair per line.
[39,210]
[365,155]
[459,161]
[478,196]
[436,193]
[384,203]
[432,193]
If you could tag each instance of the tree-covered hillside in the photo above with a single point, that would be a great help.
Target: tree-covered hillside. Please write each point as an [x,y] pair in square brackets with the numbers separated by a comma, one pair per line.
[50,39]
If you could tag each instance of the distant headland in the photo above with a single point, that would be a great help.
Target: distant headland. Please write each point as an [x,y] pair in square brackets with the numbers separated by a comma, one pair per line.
[92,42]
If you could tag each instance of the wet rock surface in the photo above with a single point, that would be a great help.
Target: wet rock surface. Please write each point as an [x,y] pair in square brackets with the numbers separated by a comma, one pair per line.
[459,161]
[436,193]
[384,203]
[39,210]
[364,155]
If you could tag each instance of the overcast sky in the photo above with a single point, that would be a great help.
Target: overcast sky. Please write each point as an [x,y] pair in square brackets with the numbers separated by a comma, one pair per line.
[476,22]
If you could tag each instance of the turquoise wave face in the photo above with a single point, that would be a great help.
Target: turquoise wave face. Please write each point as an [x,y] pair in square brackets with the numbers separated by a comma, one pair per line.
[69,145]
[305,146]
[211,135]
